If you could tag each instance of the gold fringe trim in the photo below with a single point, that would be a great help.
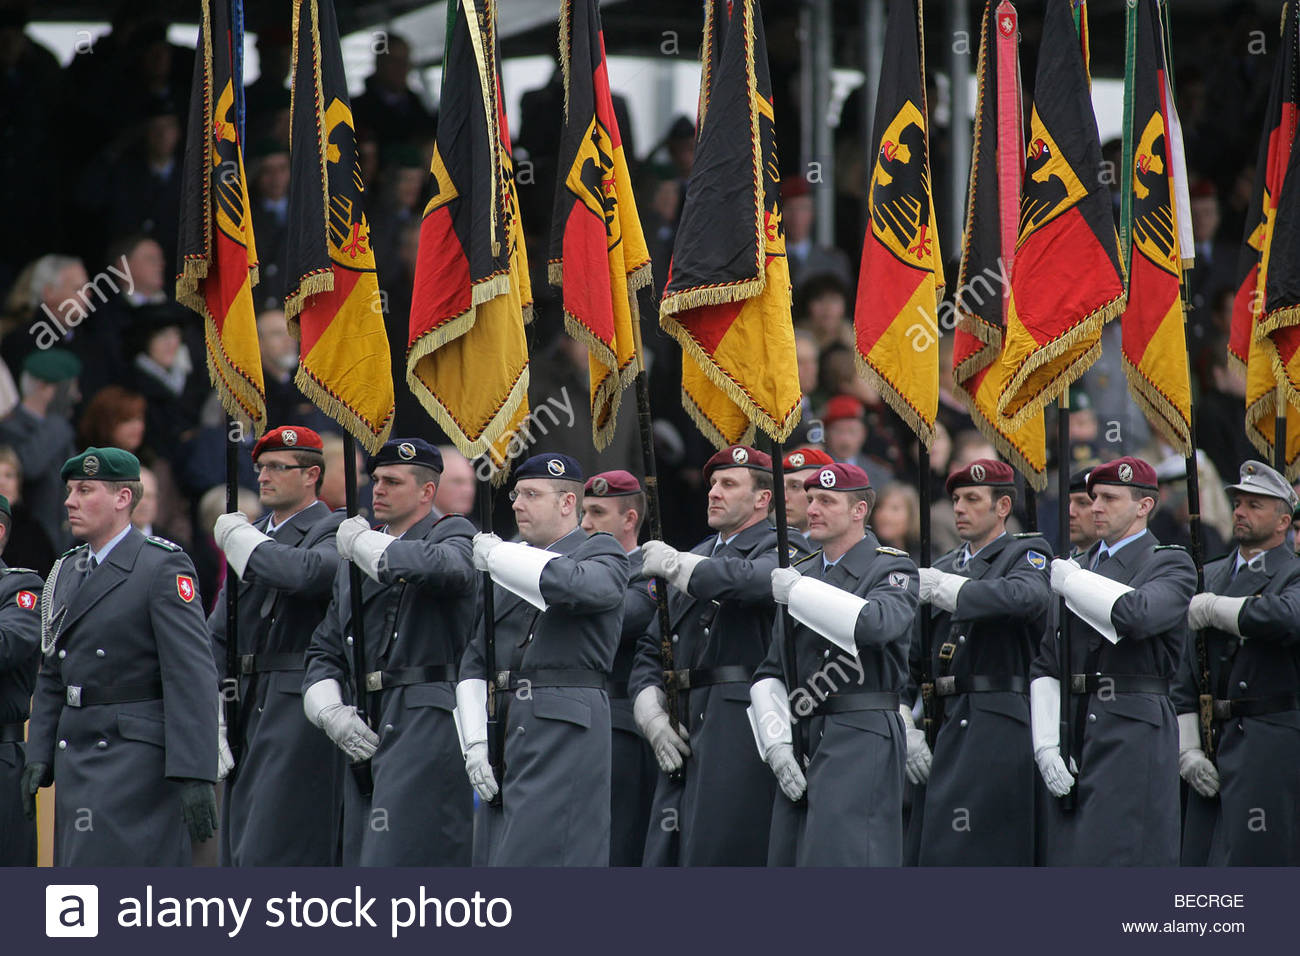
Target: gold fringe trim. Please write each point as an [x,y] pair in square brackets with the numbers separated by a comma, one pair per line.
[1159,409]
[1002,444]
[566,50]
[639,277]
[1278,319]
[976,362]
[709,428]
[1283,377]
[555,273]
[370,437]
[607,394]
[905,410]
[311,284]
[488,289]
[240,397]
[720,294]
[1086,328]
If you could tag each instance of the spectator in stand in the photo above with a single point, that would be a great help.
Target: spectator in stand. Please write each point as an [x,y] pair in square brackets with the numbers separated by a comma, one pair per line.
[807,259]
[896,519]
[1221,411]
[45,296]
[113,418]
[456,489]
[146,509]
[268,177]
[389,107]
[29,546]
[846,438]
[1216,260]
[165,374]
[822,307]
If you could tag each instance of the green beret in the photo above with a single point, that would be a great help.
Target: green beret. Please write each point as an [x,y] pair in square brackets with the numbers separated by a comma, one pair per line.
[102,464]
[52,365]
[4,506]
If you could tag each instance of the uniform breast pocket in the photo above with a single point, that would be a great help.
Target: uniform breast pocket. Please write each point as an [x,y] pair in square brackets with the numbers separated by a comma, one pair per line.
[440,696]
[872,721]
[1135,707]
[146,730]
[554,707]
[737,692]
[287,682]
[1014,707]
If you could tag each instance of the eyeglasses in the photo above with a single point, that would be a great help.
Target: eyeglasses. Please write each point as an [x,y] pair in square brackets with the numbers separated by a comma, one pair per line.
[531,494]
[275,468]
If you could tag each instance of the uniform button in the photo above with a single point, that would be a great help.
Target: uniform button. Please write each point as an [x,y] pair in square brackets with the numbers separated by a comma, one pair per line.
[964,721]
[101,744]
[706,632]
[99,652]
[62,654]
[674,638]
[826,653]
[961,638]
[520,729]
[349,640]
[394,635]
[1241,684]
[388,728]
[1092,718]
[63,745]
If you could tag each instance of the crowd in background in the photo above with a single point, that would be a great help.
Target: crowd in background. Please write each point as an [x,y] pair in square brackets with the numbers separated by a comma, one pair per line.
[91,157]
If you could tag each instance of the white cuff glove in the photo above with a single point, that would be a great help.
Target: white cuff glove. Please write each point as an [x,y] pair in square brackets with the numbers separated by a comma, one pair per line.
[1089,595]
[918,751]
[484,542]
[1215,610]
[651,716]
[662,560]
[783,580]
[479,770]
[324,707]
[237,539]
[357,543]
[788,775]
[470,714]
[225,759]
[516,567]
[940,588]
[1045,715]
[1193,766]
[830,611]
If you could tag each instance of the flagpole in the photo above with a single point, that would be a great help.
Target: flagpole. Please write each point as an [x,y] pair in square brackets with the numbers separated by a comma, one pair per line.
[1063,626]
[929,715]
[1279,430]
[495,749]
[785,630]
[361,768]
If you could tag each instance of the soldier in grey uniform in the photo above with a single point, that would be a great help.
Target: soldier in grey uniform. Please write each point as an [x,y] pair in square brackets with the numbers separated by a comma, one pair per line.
[1126,604]
[853,604]
[283,802]
[20,652]
[558,613]
[1083,530]
[988,602]
[1249,620]
[798,465]
[418,595]
[713,801]
[125,713]
[614,502]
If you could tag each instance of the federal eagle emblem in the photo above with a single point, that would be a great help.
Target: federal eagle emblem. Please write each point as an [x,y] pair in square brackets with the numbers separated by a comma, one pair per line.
[1050,185]
[1153,218]
[901,218]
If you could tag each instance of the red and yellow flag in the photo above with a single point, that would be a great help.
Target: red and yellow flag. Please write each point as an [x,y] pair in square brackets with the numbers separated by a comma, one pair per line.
[467,357]
[1263,341]
[901,277]
[727,300]
[989,247]
[595,226]
[217,253]
[333,306]
[1067,280]
[1154,184]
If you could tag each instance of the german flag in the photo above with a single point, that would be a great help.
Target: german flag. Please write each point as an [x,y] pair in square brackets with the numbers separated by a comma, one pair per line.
[1068,280]
[596,229]
[901,277]
[727,300]
[1157,229]
[217,253]
[467,358]
[333,305]
[989,246]
[1263,342]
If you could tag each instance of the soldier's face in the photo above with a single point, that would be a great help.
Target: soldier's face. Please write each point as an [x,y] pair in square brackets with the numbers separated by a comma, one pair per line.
[1083,530]
[93,508]
[796,500]
[1258,520]
[542,512]
[733,499]
[294,487]
[834,514]
[976,511]
[397,494]
[601,514]
[1115,512]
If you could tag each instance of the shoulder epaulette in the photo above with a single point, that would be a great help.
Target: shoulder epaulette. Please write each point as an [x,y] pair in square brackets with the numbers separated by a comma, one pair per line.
[163,543]
[1027,534]
[1169,547]
[21,571]
[72,551]
[886,549]
[806,558]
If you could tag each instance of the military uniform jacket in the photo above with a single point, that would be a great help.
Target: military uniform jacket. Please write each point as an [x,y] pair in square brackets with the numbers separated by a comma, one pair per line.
[979,800]
[853,811]
[20,652]
[722,801]
[135,621]
[1126,744]
[420,616]
[283,800]
[555,790]
[634,769]
[1257,755]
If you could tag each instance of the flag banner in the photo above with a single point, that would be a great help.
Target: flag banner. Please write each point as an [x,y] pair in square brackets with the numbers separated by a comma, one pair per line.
[217,252]
[989,246]
[1068,279]
[596,230]
[901,276]
[333,306]
[1153,327]
[467,355]
[727,300]
[1266,353]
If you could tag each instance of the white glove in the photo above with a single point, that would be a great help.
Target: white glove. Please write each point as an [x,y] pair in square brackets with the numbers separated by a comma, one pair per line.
[918,751]
[479,770]
[791,779]
[651,716]
[1045,714]
[830,611]
[484,542]
[662,560]
[356,542]
[225,759]
[237,539]
[1090,595]
[940,588]
[324,707]
[1193,766]
[783,579]
[1215,610]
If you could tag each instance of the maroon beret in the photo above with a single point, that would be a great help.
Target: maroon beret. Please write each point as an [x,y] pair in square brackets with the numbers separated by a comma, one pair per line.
[612,484]
[737,456]
[1128,471]
[802,458]
[840,407]
[288,438]
[982,471]
[838,476]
